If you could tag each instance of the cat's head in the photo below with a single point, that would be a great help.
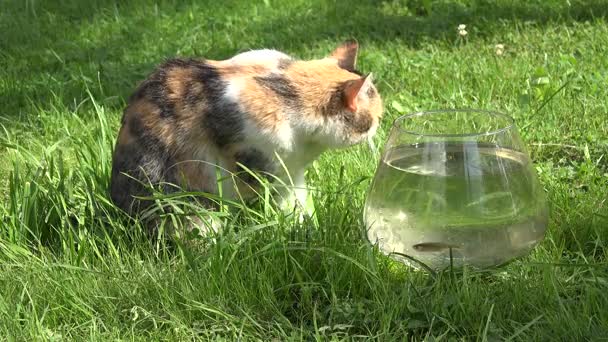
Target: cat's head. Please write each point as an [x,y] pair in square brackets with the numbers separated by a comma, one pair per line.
[354,110]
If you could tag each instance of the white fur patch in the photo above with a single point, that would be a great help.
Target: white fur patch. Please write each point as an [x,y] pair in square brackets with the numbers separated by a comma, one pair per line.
[256,56]
[285,136]
[268,139]
[266,57]
[300,190]
[233,91]
[295,193]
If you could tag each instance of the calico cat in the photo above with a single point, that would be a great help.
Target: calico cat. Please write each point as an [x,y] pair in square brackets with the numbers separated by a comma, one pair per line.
[190,117]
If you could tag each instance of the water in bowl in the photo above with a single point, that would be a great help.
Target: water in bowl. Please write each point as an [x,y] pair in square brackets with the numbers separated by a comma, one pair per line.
[455,203]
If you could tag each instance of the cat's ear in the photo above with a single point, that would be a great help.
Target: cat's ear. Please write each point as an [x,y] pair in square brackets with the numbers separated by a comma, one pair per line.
[346,54]
[355,91]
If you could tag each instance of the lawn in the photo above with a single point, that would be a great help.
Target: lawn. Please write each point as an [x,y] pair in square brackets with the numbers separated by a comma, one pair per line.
[73,267]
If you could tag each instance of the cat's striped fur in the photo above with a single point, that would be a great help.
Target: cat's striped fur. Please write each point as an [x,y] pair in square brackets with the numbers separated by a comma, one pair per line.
[190,115]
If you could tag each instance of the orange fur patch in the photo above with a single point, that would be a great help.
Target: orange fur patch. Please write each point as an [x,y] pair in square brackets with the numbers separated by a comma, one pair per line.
[266,104]
[309,75]
[148,115]
[177,78]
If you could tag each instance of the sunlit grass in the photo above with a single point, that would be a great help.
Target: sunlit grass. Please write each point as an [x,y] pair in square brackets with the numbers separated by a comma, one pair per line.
[73,266]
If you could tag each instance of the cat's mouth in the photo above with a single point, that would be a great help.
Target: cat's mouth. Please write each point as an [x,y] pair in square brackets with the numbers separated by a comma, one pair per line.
[364,137]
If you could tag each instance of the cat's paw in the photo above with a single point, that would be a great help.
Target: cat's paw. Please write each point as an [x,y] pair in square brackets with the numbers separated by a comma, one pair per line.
[201,229]
[304,208]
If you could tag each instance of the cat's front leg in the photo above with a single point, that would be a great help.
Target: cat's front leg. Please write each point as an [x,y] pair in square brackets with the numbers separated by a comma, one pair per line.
[295,196]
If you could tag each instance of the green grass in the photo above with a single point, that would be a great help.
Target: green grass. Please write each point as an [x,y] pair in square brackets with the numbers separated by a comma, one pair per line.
[73,267]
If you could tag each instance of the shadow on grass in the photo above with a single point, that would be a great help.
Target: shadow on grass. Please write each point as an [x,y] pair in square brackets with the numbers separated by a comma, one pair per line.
[382,21]
[54,51]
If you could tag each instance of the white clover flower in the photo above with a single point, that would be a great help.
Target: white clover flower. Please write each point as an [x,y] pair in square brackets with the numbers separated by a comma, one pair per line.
[462,30]
[499,49]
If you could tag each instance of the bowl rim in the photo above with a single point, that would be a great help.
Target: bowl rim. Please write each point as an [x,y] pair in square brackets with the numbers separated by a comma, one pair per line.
[511,122]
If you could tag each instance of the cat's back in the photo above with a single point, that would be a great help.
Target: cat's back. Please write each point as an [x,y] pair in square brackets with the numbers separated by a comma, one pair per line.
[183,90]
[179,83]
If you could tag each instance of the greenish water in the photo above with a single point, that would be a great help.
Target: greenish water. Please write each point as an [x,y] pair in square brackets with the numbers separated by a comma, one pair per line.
[480,201]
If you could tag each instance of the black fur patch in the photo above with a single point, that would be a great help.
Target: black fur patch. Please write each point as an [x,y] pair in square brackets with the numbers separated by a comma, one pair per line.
[146,160]
[123,188]
[282,87]
[371,92]
[360,122]
[285,63]
[180,63]
[255,161]
[154,90]
[136,128]
[193,95]
[224,120]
